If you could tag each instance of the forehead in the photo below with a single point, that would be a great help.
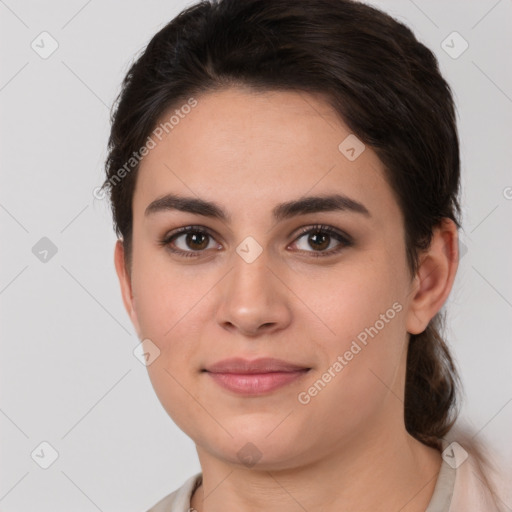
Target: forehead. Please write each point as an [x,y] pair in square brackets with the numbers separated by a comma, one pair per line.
[249,150]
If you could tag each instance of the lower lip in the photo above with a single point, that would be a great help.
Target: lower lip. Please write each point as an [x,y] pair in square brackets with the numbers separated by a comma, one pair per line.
[256,383]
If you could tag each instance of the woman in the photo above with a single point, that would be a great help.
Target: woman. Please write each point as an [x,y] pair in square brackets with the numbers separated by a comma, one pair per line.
[284,179]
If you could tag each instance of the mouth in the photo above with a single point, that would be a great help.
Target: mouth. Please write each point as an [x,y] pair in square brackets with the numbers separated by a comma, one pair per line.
[255,377]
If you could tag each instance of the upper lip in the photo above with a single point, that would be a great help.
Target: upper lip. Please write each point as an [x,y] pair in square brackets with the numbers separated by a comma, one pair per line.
[261,365]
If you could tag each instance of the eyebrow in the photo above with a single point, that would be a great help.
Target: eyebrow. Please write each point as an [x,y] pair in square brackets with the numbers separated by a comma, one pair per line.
[302,206]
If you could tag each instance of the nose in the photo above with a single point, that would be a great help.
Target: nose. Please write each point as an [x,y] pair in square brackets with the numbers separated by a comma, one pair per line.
[253,299]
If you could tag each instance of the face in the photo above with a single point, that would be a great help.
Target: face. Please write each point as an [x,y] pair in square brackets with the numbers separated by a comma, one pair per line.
[335,299]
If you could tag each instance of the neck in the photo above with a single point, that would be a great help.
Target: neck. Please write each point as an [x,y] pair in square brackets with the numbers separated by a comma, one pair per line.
[392,473]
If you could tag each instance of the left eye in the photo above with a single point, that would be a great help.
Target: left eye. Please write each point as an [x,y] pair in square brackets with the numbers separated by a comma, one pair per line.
[196,238]
[321,238]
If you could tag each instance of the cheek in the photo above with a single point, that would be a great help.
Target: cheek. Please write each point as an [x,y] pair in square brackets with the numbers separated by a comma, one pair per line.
[350,298]
[174,309]
[349,393]
[365,315]
[163,294]
[166,305]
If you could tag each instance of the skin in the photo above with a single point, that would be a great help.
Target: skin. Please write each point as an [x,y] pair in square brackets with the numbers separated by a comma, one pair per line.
[347,449]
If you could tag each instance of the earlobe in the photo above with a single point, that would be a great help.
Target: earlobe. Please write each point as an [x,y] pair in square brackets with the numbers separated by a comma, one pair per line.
[125,284]
[435,277]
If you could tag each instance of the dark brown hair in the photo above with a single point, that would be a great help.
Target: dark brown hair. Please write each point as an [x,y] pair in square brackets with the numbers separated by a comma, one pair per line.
[385,86]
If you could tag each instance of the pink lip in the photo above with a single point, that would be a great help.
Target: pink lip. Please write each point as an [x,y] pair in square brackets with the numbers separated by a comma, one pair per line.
[260,365]
[254,377]
[255,383]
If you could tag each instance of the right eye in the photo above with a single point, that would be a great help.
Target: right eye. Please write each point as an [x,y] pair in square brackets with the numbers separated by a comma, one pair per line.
[193,237]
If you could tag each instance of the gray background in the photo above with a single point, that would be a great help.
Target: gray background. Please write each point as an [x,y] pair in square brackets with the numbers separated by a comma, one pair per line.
[68,373]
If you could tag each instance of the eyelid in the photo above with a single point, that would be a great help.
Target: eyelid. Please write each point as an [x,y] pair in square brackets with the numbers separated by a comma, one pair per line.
[325,228]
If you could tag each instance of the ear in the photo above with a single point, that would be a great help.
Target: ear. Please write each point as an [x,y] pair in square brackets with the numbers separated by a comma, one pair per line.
[126,285]
[434,279]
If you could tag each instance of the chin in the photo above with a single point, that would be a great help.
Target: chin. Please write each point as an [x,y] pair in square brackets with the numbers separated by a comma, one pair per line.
[259,448]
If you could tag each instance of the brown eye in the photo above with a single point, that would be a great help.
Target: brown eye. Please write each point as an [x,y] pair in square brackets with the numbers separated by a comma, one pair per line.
[196,241]
[320,238]
[189,241]
[319,241]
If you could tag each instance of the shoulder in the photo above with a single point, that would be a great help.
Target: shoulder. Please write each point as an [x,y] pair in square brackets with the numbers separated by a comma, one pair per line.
[178,500]
[479,486]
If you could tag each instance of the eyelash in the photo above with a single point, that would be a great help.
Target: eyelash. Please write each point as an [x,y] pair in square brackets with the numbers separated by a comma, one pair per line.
[345,240]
